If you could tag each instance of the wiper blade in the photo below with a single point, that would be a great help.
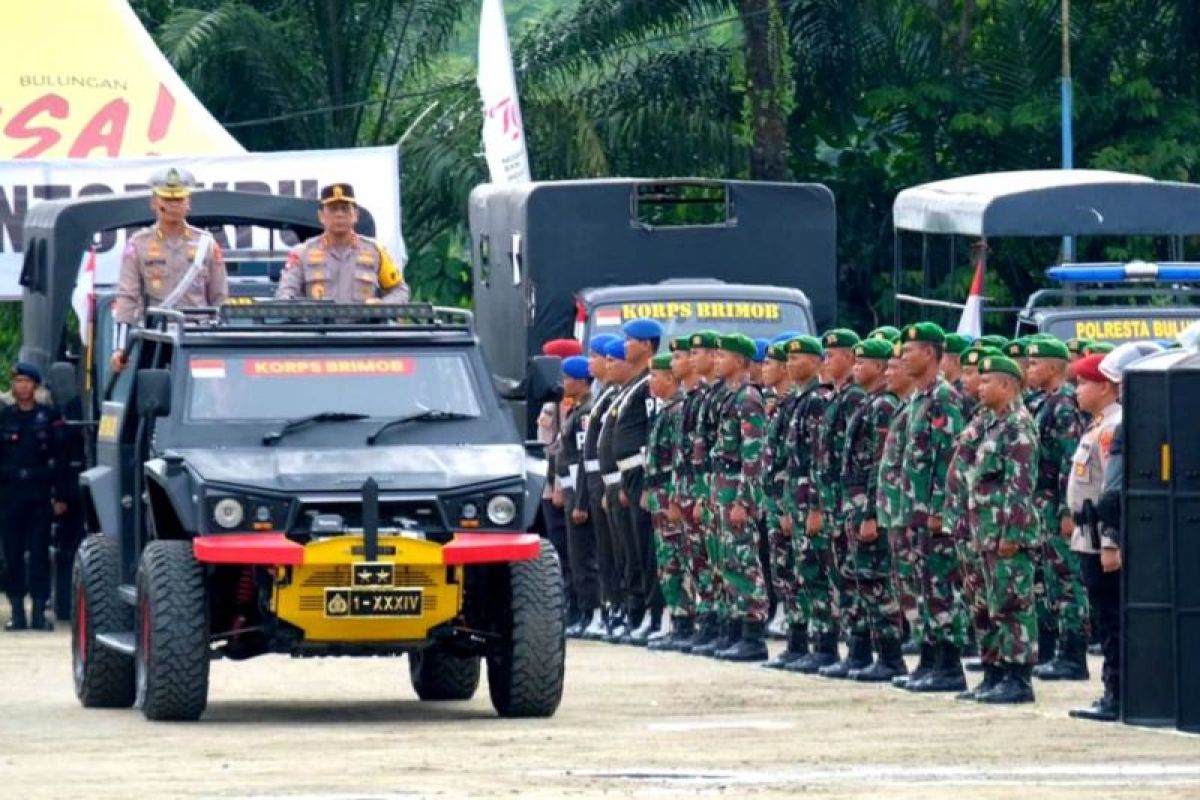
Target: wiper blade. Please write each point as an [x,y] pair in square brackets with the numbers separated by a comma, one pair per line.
[300,422]
[429,415]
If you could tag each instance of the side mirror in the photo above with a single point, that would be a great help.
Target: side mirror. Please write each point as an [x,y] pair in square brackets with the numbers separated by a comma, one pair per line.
[154,392]
[543,383]
[63,382]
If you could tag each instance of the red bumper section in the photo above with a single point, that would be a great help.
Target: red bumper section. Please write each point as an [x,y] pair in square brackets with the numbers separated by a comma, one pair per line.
[277,549]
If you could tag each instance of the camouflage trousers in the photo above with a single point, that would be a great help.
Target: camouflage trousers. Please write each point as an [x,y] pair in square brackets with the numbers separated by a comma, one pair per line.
[868,599]
[782,559]
[941,615]
[816,570]
[701,573]
[1013,632]
[741,570]
[674,577]
[904,573]
[1064,603]
[975,597]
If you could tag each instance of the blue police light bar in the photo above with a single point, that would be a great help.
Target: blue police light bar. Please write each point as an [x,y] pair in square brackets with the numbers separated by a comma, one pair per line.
[1134,271]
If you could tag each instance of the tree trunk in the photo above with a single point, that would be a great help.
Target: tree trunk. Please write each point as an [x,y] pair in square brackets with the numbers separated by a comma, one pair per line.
[770,94]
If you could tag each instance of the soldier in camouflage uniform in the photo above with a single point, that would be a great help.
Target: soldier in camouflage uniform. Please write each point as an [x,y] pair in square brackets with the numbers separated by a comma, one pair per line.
[1063,608]
[1004,525]
[934,422]
[668,534]
[952,369]
[889,496]
[797,425]
[828,523]
[812,553]
[867,569]
[974,585]
[737,497]
[779,403]
[691,486]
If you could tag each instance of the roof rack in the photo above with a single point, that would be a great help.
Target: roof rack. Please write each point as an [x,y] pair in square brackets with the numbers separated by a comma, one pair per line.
[292,315]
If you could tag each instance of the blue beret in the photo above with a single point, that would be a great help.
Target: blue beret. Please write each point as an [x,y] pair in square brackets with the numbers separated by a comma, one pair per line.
[786,336]
[599,343]
[576,367]
[615,349]
[25,369]
[643,329]
[760,350]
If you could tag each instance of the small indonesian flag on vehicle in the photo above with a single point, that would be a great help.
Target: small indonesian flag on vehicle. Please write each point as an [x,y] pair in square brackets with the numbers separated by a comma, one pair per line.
[208,369]
[971,322]
[608,316]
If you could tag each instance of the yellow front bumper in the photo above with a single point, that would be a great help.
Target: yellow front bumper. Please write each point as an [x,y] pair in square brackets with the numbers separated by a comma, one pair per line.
[334,595]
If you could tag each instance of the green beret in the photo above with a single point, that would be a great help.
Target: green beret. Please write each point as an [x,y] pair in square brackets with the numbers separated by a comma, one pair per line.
[740,344]
[887,332]
[929,332]
[1000,364]
[1039,347]
[1077,344]
[661,361]
[683,343]
[809,345]
[777,352]
[1016,348]
[840,337]
[993,340]
[709,340]
[956,343]
[975,354]
[1104,348]
[880,349]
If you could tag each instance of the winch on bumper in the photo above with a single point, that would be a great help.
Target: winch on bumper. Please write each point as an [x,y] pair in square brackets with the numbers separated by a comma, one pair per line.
[352,588]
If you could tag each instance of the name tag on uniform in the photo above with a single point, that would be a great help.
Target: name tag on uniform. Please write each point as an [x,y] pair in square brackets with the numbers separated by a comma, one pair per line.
[1083,454]
[579,437]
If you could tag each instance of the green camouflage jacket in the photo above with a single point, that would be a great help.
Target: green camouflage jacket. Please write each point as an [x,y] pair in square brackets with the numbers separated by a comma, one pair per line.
[737,456]
[831,445]
[934,422]
[1059,424]
[1000,484]
[866,434]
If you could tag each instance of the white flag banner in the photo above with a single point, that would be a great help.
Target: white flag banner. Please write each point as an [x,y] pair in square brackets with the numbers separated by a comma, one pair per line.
[503,133]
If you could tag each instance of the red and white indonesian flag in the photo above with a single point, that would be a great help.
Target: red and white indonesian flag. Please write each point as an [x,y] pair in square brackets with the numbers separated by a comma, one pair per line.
[971,323]
[503,133]
[83,299]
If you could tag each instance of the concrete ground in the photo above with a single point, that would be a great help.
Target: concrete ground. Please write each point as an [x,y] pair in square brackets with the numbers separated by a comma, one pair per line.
[632,724]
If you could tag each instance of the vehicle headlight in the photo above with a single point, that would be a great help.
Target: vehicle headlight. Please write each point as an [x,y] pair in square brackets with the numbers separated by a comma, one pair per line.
[228,513]
[501,510]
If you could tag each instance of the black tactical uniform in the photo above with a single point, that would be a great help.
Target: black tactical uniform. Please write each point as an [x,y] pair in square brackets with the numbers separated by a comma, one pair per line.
[581,537]
[610,474]
[33,471]
[590,493]
[631,431]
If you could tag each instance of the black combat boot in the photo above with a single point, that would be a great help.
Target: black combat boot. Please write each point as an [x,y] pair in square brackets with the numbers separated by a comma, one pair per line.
[751,645]
[797,648]
[719,641]
[18,621]
[1070,664]
[1105,709]
[618,628]
[575,629]
[1015,687]
[682,630]
[1047,643]
[858,657]
[38,621]
[888,665]
[947,676]
[731,632]
[824,653]
[706,632]
[926,663]
[991,677]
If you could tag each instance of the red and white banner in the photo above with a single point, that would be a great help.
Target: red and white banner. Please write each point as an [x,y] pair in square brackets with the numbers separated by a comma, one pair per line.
[971,322]
[503,132]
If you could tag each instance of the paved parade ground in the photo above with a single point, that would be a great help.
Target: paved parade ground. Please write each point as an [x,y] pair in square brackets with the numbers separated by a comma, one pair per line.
[632,723]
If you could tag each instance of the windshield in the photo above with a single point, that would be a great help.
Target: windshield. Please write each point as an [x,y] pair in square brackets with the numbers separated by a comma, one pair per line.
[755,318]
[1124,325]
[281,386]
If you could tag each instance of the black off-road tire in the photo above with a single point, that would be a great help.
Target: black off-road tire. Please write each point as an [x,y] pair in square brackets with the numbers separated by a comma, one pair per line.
[172,633]
[103,677]
[525,671]
[438,675]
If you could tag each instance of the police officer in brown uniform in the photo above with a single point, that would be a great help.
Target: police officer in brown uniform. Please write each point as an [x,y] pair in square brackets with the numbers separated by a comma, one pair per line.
[341,265]
[170,263]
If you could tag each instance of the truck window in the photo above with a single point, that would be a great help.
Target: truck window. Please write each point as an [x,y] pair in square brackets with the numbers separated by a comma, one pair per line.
[755,318]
